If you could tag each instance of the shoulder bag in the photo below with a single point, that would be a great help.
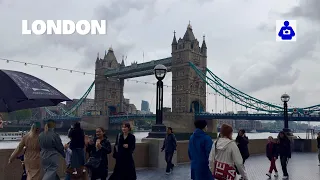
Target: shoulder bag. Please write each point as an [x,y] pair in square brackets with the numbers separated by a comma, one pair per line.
[116,147]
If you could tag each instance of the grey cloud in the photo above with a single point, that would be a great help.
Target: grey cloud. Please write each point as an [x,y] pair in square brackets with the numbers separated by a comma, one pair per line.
[307,9]
[278,72]
[118,9]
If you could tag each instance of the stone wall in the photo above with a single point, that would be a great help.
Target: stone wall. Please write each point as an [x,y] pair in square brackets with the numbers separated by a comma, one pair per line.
[13,171]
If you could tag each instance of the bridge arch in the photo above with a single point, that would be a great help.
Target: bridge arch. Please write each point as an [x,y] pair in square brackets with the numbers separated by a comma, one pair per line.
[196,106]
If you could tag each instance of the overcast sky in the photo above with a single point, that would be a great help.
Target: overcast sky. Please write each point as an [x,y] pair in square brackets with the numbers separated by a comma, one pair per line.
[240,37]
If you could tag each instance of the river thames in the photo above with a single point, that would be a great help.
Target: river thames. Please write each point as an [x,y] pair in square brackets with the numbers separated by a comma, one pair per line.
[141,135]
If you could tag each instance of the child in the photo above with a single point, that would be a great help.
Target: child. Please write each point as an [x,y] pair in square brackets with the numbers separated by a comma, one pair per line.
[68,159]
[272,155]
[24,174]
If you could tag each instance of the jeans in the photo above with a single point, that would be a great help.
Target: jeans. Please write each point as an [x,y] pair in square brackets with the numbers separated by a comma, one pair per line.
[168,158]
[273,165]
[319,154]
[284,162]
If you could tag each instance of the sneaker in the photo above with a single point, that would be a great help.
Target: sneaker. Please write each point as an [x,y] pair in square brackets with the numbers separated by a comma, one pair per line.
[285,177]
[84,170]
[269,175]
[167,173]
[276,174]
[75,172]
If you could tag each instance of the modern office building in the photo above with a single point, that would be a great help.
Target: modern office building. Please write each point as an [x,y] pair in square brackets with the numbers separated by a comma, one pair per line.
[145,106]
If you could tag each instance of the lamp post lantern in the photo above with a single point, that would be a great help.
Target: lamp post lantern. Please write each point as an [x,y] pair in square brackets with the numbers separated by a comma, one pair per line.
[159,129]
[285,99]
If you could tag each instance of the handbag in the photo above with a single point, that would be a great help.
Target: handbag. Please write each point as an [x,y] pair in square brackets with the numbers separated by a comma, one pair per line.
[223,171]
[116,147]
[93,162]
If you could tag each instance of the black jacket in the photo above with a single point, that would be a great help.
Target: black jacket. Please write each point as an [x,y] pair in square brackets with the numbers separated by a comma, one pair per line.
[77,138]
[284,147]
[243,146]
[272,152]
[102,153]
[318,140]
[169,143]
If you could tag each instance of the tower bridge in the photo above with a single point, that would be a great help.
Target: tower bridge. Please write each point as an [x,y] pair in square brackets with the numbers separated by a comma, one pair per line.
[190,77]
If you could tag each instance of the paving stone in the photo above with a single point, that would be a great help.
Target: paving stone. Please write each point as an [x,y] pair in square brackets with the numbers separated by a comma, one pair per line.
[302,166]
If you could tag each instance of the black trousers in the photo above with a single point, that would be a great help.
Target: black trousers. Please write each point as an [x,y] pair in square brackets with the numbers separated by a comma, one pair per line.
[99,174]
[168,158]
[284,163]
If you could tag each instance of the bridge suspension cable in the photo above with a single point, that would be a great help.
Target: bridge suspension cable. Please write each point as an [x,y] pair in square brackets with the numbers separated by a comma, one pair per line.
[239,97]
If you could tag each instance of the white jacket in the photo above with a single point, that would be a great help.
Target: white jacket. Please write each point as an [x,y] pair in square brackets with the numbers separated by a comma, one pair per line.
[227,151]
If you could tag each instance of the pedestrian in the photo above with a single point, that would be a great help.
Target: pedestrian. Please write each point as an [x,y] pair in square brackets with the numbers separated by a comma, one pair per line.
[77,144]
[200,145]
[284,150]
[51,150]
[318,142]
[227,156]
[68,153]
[169,146]
[98,149]
[30,145]
[21,158]
[272,155]
[124,168]
[242,140]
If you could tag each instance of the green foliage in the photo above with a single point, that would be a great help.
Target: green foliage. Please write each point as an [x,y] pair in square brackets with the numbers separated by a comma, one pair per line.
[24,114]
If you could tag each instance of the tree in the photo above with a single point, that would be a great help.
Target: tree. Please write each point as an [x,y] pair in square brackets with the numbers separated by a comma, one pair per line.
[24,114]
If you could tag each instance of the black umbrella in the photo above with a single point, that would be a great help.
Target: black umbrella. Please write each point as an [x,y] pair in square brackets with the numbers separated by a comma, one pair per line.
[19,90]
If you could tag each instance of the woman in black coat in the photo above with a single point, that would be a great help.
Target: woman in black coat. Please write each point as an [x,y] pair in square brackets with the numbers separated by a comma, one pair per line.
[243,141]
[99,150]
[284,150]
[76,134]
[123,153]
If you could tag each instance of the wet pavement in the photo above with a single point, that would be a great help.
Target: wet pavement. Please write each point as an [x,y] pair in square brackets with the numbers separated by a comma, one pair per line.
[302,166]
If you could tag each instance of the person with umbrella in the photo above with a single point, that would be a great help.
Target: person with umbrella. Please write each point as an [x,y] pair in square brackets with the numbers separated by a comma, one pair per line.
[51,147]
[30,145]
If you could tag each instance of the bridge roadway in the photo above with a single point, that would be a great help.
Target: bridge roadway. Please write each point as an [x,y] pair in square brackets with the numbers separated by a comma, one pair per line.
[209,116]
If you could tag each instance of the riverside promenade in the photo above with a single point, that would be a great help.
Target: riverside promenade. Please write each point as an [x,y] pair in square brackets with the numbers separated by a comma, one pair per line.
[302,166]
[149,161]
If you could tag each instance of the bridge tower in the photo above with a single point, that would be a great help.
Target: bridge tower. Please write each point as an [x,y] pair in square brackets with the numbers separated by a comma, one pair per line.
[108,91]
[188,90]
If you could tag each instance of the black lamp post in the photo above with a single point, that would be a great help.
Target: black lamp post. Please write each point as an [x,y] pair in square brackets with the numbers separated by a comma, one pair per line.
[159,129]
[285,99]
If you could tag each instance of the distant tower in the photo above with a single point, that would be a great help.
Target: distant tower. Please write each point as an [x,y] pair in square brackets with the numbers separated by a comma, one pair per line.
[108,91]
[188,90]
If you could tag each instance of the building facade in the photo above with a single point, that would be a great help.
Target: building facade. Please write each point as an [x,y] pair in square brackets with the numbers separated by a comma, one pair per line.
[188,90]
[145,106]
[108,91]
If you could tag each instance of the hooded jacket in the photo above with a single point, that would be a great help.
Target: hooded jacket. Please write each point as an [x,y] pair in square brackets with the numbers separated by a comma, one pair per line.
[200,145]
[227,151]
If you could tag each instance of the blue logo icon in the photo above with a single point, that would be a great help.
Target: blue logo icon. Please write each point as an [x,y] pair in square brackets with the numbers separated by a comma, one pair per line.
[286,30]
